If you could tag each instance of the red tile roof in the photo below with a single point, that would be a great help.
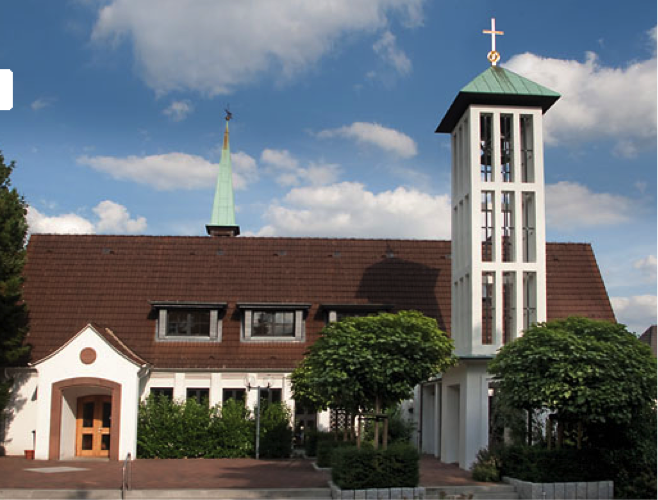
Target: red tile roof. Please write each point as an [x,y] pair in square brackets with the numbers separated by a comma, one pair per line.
[111,280]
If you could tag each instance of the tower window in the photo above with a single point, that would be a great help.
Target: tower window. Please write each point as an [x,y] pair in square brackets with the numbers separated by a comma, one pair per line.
[527,150]
[487,226]
[506,148]
[528,210]
[529,299]
[507,228]
[509,302]
[488,322]
[486,147]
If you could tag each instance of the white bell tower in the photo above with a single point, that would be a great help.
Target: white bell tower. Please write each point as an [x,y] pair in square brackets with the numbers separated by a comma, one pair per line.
[498,239]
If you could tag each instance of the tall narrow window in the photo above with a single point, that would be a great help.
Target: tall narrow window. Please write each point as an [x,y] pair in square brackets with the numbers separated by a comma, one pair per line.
[486,147]
[506,148]
[509,303]
[507,228]
[529,299]
[527,150]
[487,226]
[528,209]
[488,316]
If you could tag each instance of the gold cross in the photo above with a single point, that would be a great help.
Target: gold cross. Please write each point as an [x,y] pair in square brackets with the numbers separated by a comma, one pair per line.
[493,56]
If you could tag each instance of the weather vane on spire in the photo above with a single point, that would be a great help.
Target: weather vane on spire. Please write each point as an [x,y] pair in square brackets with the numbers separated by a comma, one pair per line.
[493,56]
[229,115]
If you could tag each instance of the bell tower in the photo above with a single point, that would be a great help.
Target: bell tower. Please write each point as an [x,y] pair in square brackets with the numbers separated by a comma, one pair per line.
[498,239]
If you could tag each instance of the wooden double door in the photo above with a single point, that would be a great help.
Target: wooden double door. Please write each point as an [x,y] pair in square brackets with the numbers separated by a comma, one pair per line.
[93,426]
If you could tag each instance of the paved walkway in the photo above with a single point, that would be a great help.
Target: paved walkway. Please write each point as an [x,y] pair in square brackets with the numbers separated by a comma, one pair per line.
[195,474]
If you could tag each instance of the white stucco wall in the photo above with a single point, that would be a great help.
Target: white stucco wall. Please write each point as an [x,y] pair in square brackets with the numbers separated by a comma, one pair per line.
[109,365]
[21,412]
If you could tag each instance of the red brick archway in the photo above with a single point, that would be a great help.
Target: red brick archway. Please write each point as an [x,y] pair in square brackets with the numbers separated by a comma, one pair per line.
[56,412]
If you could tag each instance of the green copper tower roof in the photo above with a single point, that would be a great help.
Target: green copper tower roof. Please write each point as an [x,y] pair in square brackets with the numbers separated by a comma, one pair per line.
[222,219]
[497,86]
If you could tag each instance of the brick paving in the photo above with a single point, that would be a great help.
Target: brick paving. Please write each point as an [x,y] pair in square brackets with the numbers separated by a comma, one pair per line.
[197,474]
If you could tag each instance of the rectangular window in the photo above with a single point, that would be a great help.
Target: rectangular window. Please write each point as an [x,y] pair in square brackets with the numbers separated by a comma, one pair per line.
[188,323]
[273,324]
[507,229]
[270,395]
[509,307]
[528,213]
[167,392]
[506,148]
[527,150]
[202,396]
[529,299]
[486,147]
[237,394]
[487,226]
[488,313]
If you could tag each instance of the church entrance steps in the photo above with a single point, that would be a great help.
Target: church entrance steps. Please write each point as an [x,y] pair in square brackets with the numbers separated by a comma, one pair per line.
[493,491]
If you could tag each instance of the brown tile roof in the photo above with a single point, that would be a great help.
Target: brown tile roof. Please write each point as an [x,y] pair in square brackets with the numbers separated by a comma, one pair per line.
[649,338]
[111,280]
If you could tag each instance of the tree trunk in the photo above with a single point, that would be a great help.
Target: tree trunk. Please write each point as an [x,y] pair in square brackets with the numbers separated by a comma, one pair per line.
[358,432]
[385,432]
[580,434]
[376,423]
[529,427]
[549,432]
[560,434]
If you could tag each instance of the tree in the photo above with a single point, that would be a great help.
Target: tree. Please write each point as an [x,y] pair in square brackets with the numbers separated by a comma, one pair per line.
[371,363]
[13,313]
[587,372]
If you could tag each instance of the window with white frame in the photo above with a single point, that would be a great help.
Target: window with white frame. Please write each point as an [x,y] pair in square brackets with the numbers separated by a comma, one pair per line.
[183,321]
[273,322]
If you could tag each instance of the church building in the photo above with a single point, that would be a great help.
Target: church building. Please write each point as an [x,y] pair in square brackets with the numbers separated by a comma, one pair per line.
[116,318]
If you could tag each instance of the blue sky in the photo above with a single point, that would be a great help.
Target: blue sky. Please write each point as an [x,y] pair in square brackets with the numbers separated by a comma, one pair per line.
[118,117]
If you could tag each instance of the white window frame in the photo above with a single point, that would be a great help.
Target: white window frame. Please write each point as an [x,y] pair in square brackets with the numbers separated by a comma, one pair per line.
[299,311]
[214,335]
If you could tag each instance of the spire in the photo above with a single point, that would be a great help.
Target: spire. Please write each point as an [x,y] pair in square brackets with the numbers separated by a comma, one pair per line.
[222,219]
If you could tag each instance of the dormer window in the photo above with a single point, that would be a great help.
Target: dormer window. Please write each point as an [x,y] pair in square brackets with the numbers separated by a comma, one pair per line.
[186,321]
[273,322]
[336,312]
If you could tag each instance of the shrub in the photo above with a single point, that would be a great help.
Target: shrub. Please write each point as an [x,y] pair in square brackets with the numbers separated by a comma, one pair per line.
[326,451]
[312,438]
[232,435]
[486,467]
[275,431]
[396,466]
[399,429]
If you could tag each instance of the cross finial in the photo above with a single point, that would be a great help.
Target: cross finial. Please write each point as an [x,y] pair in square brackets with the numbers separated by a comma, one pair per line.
[493,56]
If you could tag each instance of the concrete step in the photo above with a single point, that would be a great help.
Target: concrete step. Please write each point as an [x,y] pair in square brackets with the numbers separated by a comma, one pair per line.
[494,491]
[25,493]
[201,494]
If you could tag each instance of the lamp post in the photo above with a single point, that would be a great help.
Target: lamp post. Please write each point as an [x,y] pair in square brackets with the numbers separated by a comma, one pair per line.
[250,382]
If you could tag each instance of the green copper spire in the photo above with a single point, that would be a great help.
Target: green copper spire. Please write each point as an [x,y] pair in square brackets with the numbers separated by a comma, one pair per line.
[222,219]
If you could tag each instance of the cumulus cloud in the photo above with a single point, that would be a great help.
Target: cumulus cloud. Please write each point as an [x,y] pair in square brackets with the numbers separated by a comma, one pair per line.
[172,171]
[217,46]
[41,102]
[638,312]
[647,267]
[386,48]
[598,102]
[178,110]
[571,205]
[111,218]
[348,209]
[288,172]
[374,134]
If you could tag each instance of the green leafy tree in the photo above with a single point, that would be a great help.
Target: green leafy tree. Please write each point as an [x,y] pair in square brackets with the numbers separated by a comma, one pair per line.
[13,313]
[371,363]
[586,372]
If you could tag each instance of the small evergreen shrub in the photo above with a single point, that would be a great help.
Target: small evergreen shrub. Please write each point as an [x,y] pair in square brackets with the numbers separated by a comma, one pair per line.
[275,431]
[312,439]
[394,467]
[326,451]
[486,467]
[232,435]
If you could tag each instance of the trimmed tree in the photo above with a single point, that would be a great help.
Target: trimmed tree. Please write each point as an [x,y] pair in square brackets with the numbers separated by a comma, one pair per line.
[372,363]
[13,313]
[586,372]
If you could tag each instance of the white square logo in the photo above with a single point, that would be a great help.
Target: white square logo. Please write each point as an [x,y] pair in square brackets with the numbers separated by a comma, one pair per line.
[6,89]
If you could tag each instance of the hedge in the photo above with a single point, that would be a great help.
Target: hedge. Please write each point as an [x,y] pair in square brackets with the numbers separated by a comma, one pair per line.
[394,467]
[326,450]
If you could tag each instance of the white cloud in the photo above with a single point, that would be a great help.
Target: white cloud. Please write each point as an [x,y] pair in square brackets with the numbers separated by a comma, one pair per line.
[638,312]
[213,47]
[388,139]
[598,102]
[172,171]
[41,102]
[348,209]
[178,110]
[387,49]
[288,172]
[647,267]
[570,205]
[111,218]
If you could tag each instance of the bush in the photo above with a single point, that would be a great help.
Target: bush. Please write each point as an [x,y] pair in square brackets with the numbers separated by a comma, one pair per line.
[326,451]
[396,466]
[399,429]
[312,438]
[486,467]
[232,435]
[275,431]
